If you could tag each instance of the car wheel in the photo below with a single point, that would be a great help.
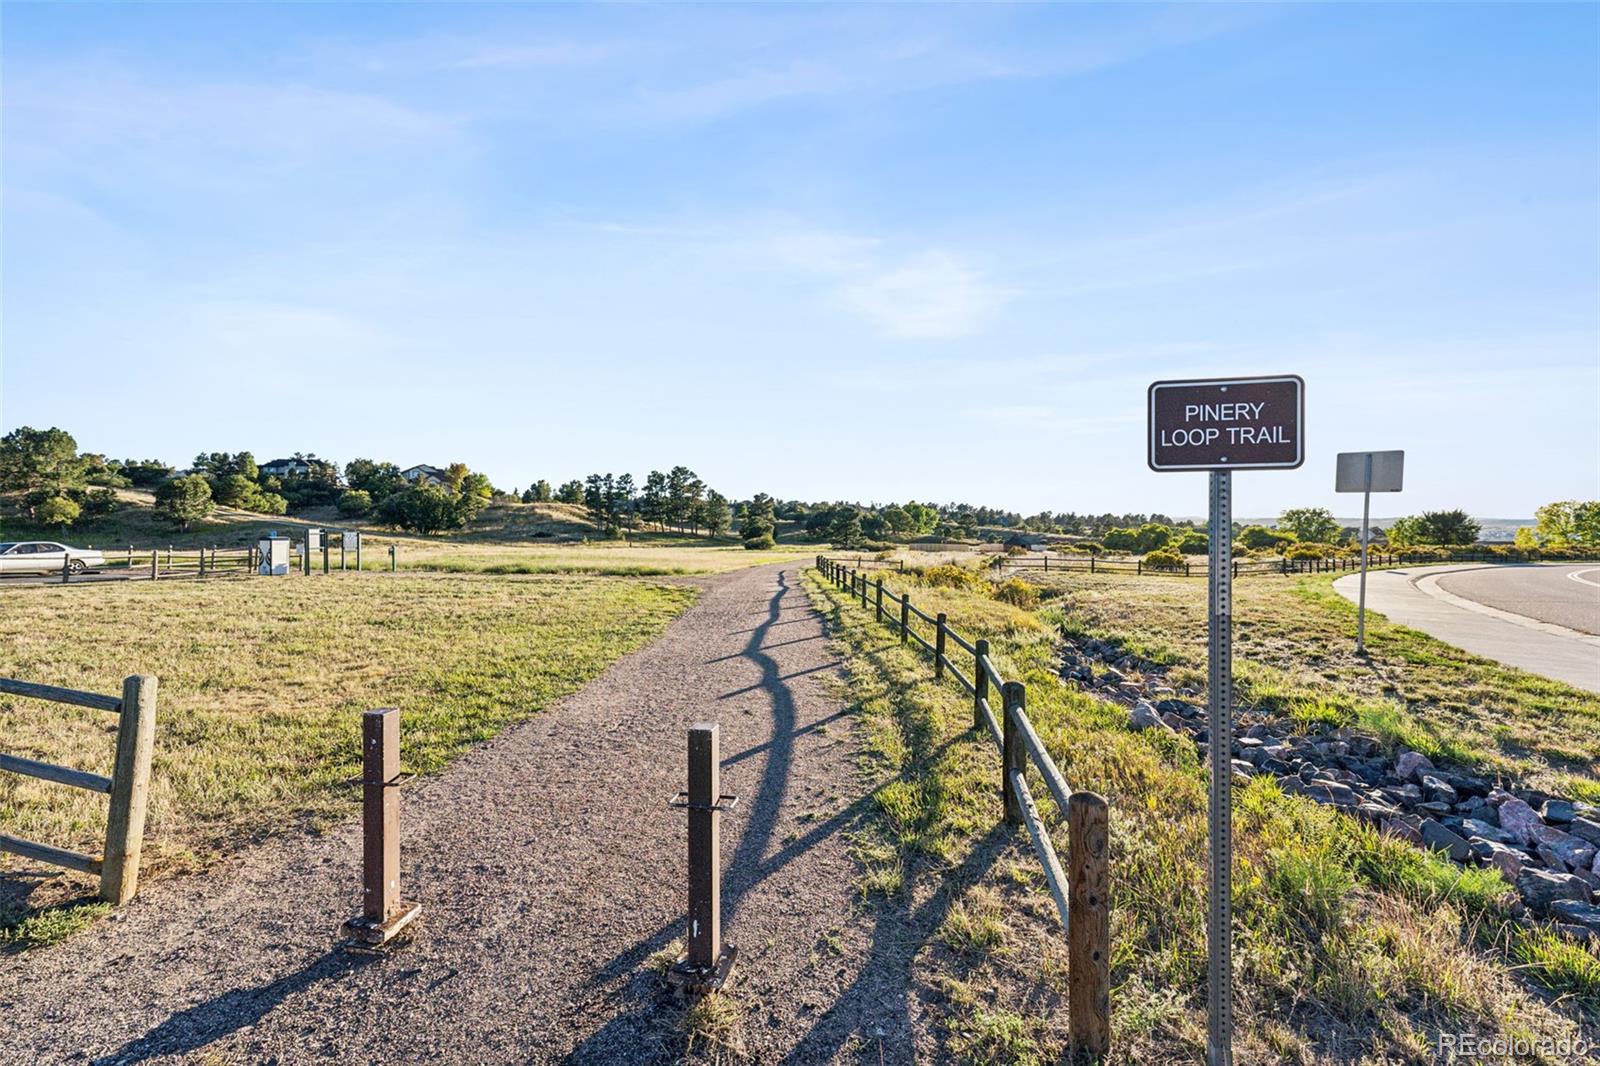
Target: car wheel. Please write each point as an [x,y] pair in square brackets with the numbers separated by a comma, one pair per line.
[76,566]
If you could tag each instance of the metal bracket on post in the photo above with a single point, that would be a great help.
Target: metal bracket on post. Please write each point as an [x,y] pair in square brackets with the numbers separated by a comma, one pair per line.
[383,913]
[704,967]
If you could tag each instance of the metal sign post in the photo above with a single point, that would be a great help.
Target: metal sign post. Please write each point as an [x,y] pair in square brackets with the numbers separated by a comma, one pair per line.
[1219,708]
[1366,473]
[1222,425]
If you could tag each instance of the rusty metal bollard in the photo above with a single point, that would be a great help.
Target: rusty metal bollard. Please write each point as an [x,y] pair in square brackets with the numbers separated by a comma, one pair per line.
[383,912]
[704,967]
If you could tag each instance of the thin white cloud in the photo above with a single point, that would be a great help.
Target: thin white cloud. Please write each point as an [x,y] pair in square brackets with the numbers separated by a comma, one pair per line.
[932,295]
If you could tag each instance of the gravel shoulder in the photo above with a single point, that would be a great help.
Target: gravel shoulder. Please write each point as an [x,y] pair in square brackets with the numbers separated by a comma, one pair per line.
[549,867]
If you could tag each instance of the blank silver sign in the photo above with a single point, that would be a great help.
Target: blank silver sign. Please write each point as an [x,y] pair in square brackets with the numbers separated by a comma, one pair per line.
[1352,472]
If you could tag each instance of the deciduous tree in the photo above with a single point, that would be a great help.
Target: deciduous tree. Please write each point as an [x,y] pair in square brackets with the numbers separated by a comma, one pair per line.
[1310,524]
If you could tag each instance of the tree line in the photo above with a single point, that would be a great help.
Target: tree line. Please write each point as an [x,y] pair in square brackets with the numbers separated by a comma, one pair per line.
[46,479]
[52,483]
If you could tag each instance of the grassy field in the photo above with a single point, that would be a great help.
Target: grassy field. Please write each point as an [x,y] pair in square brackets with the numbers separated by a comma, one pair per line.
[601,557]
[1351,947]
[262,685]
[1294,641]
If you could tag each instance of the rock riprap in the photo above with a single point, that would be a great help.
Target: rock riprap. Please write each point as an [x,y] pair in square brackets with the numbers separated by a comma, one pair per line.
[1546,847]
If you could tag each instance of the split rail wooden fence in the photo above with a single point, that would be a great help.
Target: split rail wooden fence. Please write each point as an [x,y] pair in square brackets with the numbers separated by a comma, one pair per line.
[183,562]
[1080,895]
[128,786]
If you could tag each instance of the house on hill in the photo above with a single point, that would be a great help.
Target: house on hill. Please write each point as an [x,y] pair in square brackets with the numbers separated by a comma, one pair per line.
[286,468]
[423,474]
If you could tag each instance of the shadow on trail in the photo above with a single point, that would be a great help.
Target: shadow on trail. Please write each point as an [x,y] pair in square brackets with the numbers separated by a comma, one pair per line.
[744,870]
[871,1020]
[190,1030]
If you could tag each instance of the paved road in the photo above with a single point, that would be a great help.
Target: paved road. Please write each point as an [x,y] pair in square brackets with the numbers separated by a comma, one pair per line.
[1566,596]
[549,867]
[1471,607]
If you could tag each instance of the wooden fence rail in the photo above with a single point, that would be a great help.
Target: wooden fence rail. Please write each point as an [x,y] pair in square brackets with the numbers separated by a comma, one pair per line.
[1080,892]
[128,786]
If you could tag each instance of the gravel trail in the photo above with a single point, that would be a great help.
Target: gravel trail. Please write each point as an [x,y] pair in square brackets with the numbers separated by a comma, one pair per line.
[549,867]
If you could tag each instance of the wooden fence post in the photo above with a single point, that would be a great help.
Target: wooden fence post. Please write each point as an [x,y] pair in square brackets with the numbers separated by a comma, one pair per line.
[1013,756]
[704,967]
[938,646]
[383,912]
[1089,925]
[905,616]
[392,560]
[380,813]
[980,683]
[130,790]
[155,559]
[66,566]
[879,617]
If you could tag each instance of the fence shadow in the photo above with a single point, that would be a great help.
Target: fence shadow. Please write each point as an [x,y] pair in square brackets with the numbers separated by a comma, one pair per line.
[189,1030]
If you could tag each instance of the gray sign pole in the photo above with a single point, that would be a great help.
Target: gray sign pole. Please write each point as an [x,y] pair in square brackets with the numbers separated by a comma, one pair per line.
[1219,920]
[1366,515]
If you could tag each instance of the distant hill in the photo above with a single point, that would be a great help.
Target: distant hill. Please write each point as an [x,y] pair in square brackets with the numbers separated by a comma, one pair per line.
[136,522]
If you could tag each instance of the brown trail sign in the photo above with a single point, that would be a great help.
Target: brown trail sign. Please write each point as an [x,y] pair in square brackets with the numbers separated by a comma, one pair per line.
[1227,424]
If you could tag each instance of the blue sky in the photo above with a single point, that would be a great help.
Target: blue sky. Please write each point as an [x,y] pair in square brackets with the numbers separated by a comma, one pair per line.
[825,252]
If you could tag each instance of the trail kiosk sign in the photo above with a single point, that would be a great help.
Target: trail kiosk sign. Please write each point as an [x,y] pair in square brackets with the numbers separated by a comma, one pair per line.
[1221,425]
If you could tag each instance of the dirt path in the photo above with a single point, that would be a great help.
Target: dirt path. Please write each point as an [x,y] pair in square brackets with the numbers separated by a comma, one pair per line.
[549,867]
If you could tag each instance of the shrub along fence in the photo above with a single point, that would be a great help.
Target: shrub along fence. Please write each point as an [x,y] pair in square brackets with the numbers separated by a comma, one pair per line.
[1081,898]
[128,786]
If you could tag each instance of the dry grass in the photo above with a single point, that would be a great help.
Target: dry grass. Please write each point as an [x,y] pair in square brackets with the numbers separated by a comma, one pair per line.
[263,682]
[599,557]
[1350,947]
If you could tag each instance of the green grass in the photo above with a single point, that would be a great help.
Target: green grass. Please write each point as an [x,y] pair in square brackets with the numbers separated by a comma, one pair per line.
[1349,946]
[263,683]
[23,927]
[1294,655]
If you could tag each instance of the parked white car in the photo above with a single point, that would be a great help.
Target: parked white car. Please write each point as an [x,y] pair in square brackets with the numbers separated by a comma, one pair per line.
[46,556]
